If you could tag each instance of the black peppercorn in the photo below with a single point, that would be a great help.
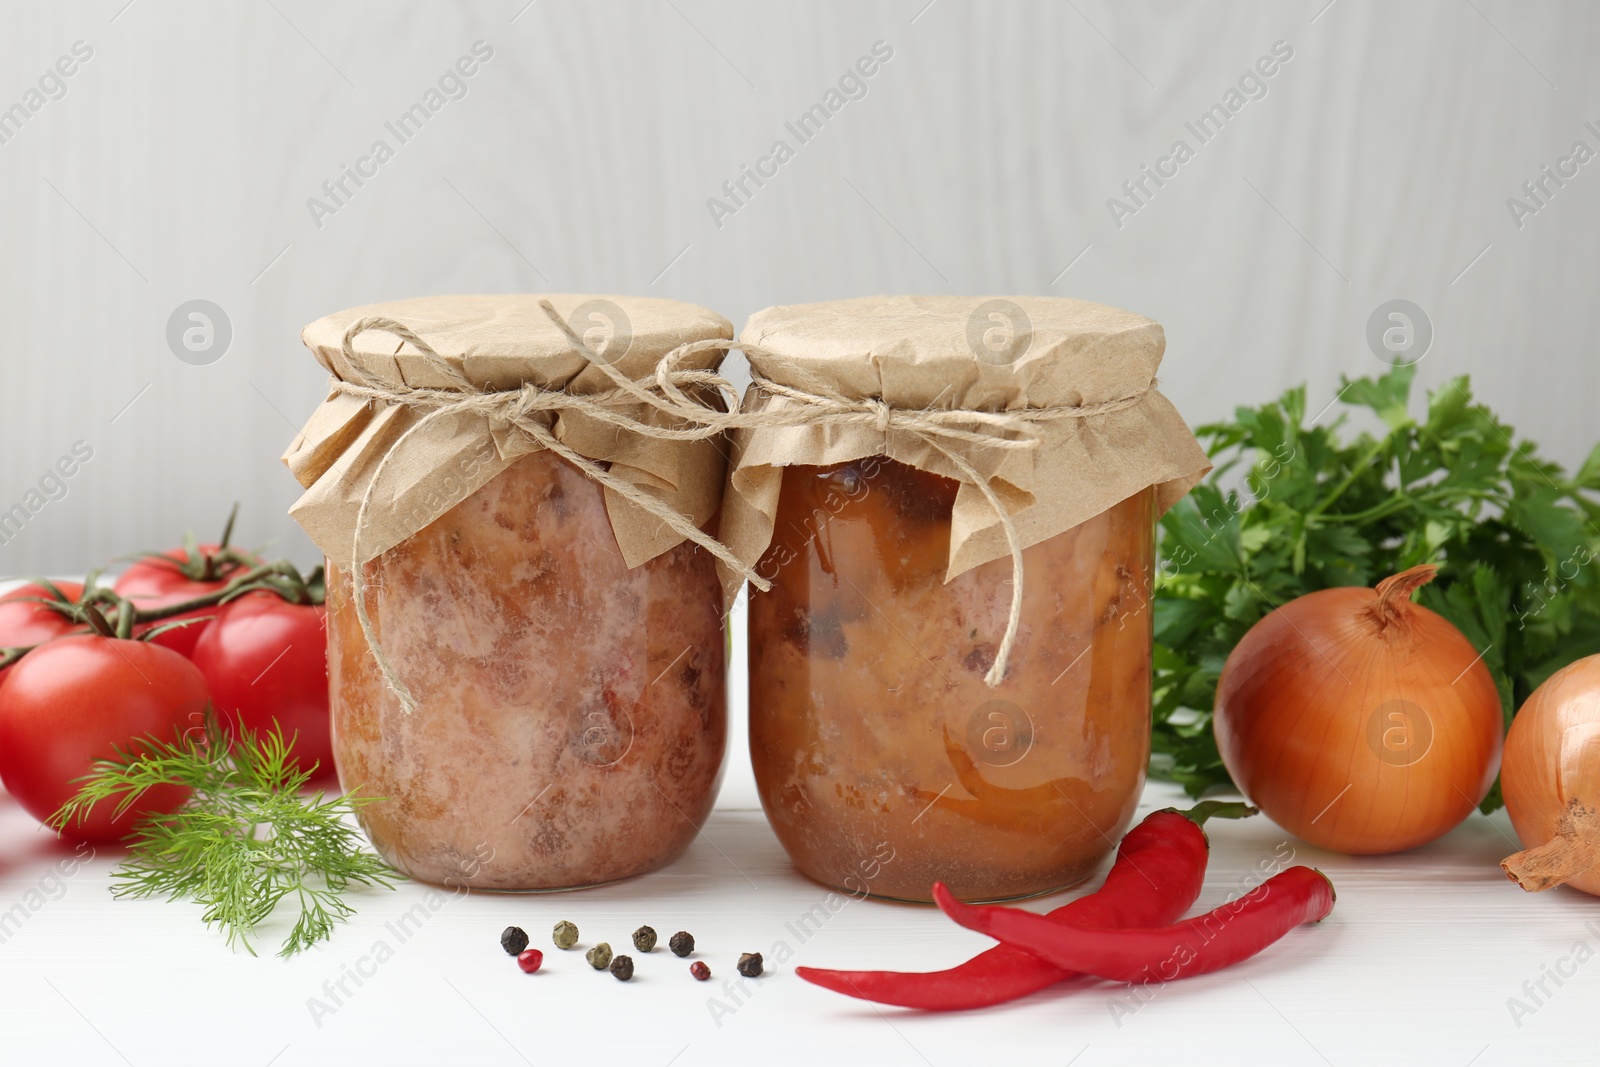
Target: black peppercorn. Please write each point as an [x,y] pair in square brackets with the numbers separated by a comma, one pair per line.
[599,957]
[682,943]
[644,939]
[750,964]
[514,939]
[622,968]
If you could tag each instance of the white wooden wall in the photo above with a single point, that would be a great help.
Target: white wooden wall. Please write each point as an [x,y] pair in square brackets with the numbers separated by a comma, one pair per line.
[178,163]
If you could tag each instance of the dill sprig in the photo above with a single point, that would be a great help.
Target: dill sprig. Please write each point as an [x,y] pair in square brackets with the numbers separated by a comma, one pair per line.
[245,840]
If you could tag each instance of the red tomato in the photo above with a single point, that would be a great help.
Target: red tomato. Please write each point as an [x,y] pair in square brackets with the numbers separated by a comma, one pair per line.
[157,581]
[24,623]
[77,700]
[266,660]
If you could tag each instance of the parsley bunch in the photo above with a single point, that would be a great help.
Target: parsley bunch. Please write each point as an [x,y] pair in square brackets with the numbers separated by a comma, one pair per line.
[1516,538]
[246,840]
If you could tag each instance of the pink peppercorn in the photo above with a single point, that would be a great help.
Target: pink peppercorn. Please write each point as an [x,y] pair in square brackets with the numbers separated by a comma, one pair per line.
[530,959]
[699,969]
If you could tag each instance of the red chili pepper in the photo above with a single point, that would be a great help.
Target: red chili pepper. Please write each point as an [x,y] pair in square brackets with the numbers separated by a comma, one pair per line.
[1236,931]
[1157,875]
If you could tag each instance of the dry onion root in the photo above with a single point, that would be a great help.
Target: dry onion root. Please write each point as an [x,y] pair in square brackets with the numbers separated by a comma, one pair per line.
[1551,780]
[1359,721]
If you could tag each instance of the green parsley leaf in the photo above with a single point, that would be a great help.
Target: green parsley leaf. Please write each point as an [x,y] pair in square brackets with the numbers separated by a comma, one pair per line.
[1515,537]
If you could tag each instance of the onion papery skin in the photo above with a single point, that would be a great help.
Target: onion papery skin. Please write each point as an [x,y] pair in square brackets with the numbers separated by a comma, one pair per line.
[1355,736]
[1553,757]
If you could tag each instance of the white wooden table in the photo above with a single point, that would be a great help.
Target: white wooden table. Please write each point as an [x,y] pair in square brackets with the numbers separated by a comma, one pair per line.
[1416,965]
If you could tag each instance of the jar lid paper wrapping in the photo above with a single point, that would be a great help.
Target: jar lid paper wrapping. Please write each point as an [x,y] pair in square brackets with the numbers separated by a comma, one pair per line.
[975,353]
[496,342]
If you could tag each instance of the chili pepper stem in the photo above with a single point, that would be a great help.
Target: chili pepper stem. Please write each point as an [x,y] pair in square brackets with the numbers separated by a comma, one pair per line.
[1333,894]
[1216,809]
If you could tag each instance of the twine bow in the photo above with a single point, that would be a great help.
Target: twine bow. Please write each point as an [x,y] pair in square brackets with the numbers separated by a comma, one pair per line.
[679,394]
[525,409]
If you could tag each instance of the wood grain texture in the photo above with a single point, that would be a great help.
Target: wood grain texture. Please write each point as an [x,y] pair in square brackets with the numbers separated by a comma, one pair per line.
[178,165]
[1417,964]
[180,160]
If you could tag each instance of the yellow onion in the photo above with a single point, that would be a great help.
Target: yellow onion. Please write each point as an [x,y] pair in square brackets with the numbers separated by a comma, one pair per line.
[1551,780]
[1359,721]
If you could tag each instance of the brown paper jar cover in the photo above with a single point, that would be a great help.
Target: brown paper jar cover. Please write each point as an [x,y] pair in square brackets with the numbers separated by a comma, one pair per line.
[982,353]
[498,342]
[883,760]
[568,663]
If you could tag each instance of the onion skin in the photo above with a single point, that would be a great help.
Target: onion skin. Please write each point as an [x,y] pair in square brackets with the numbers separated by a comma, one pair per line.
[1553,761]
[1358,721]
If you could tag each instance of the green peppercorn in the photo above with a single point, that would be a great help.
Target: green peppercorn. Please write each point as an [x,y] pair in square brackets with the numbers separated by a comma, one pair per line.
[599,957]
[682,943]
[513,939]
[565,934]
[644,939]
[750,964]
[622,968]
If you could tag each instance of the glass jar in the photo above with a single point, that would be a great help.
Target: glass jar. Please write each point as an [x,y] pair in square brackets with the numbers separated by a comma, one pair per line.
[572,717]
[872,732]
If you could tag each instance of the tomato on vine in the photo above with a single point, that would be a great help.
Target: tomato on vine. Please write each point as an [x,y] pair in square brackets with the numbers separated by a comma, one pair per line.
[82,698]
[159,579]
[265,659]
[25,619]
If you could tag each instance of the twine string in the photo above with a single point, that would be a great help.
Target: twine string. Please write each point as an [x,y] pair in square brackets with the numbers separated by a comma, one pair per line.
[518,409]
[682,396]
